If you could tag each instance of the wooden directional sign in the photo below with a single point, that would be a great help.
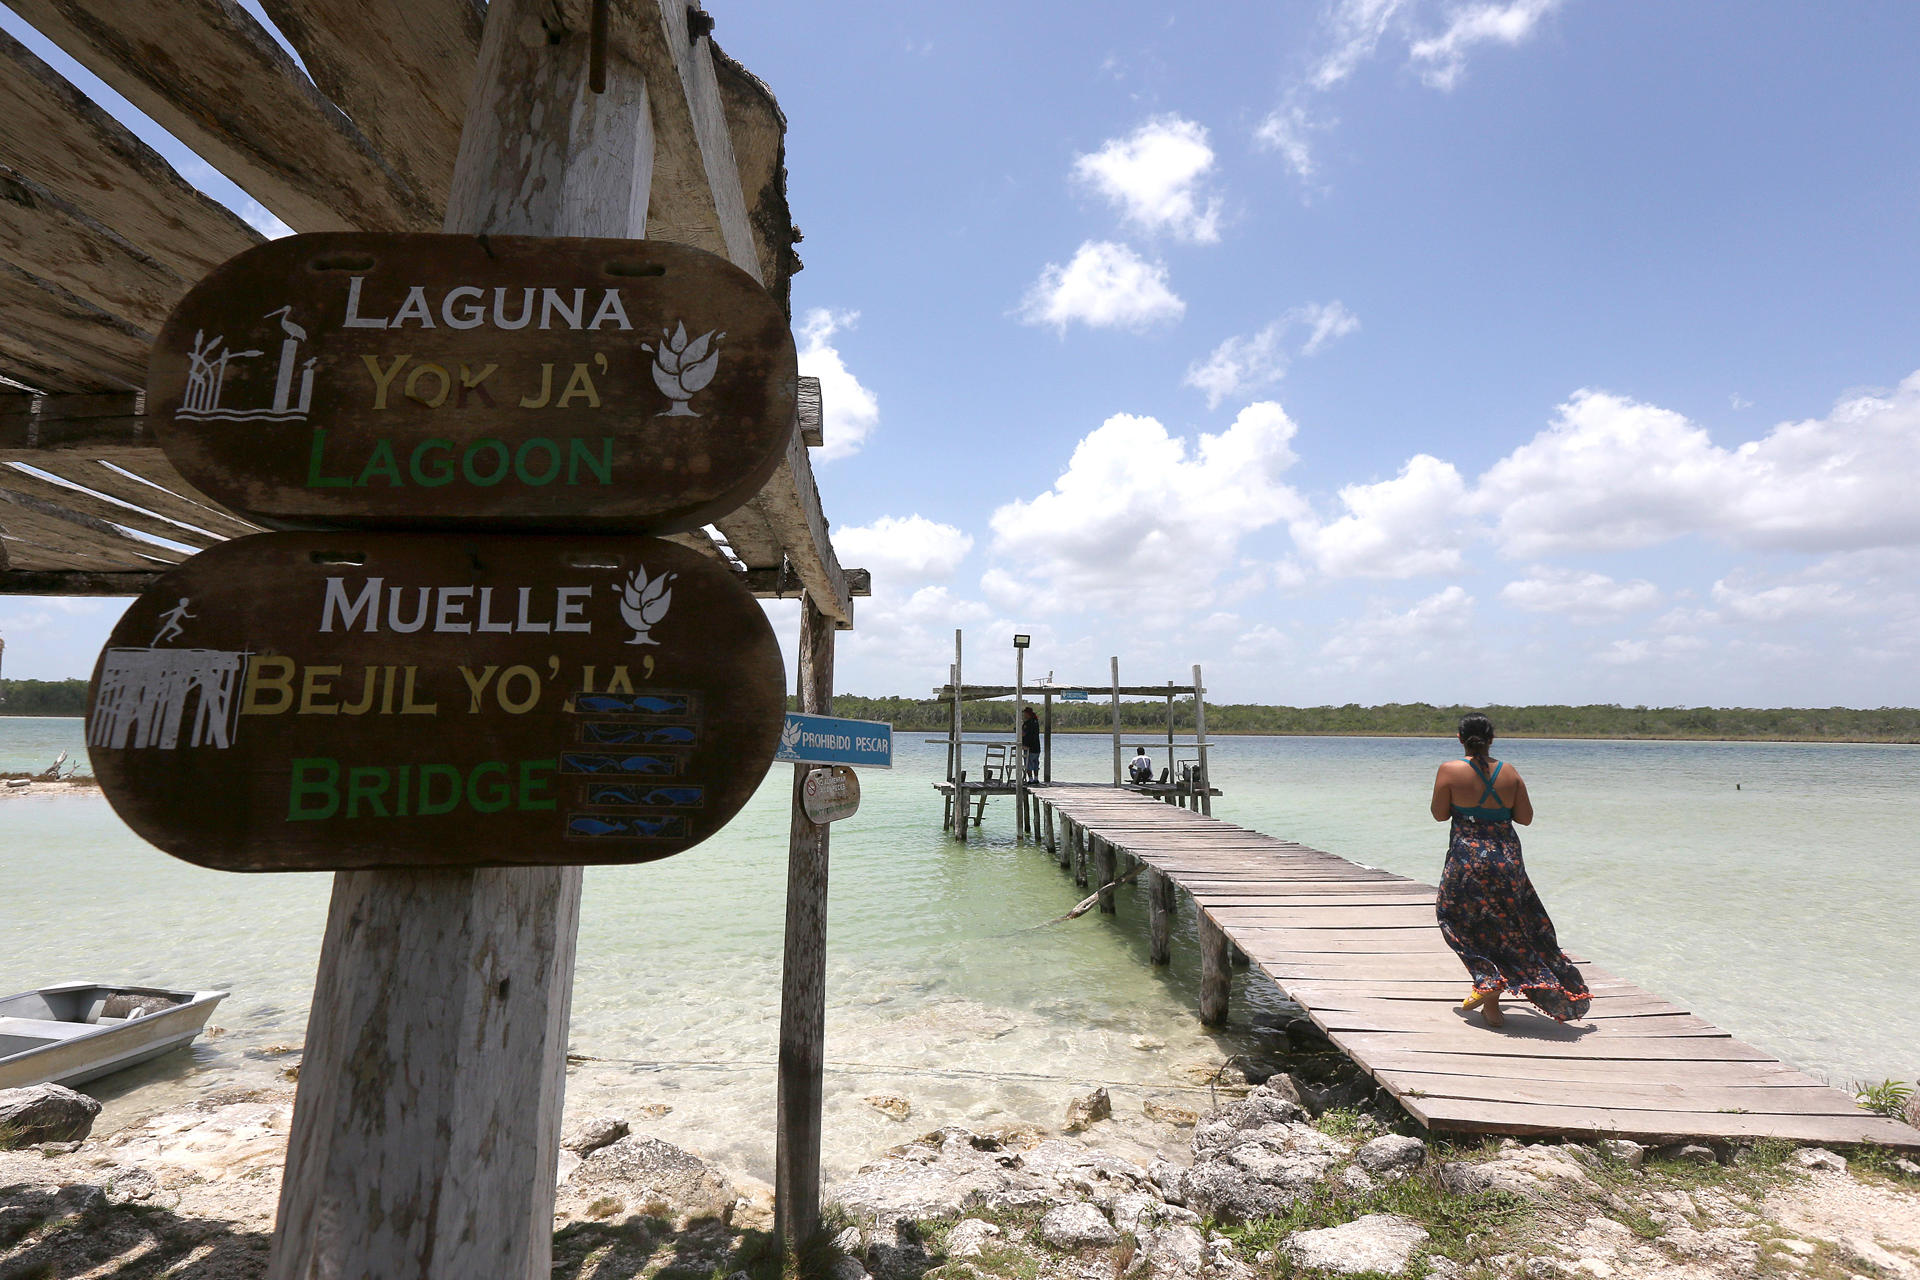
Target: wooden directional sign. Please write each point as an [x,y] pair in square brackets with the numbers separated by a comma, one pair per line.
[511,382]
[321,701]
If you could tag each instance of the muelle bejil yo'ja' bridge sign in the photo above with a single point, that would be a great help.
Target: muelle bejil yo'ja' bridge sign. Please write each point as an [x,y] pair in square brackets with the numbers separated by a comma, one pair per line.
[298,701]
[504,382]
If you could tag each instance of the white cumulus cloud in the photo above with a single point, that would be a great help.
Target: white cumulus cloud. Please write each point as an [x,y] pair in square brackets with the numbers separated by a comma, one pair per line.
[1153,176]
[1443,57]
[1106,286]
[1612,473]
[1581,596]
[849,411]
[904,549]
[1247,363]
[1386,637]
[1286,129]
[1140,521]
[1415,523]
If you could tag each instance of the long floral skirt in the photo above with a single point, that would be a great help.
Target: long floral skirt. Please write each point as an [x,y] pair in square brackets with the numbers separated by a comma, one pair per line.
[1493,920]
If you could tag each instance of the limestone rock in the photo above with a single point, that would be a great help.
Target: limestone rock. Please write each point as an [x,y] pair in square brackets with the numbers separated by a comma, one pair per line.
[970,1237]
[1392,1153]
[905,1257]
[1083,1113]
[1165,1176]
[1231,1192]
[1531,1173]
[1168,1113]
[44,1113]
[890,1105]
[648,1176]
[846,1269]
[1690,1153]
[1176,1250]
[1631,1154]
[1075,1226]
[1379,1242]
[594,1133]
[1820,1158]
[1356,1181]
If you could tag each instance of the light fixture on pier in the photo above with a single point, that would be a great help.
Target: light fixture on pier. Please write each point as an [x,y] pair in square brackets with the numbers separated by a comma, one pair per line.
[1021,642]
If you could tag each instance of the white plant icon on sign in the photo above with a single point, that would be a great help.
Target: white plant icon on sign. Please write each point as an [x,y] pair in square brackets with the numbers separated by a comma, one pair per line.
[789,740]
[644,603]
[682,366]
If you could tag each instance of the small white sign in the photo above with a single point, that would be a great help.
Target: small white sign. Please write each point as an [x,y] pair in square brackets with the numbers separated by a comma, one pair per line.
[830,794]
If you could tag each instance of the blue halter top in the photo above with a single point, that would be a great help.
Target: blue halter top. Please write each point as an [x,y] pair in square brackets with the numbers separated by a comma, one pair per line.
[1484,812]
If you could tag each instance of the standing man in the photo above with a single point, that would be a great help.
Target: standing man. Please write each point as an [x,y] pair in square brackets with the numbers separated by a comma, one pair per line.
[1030,743]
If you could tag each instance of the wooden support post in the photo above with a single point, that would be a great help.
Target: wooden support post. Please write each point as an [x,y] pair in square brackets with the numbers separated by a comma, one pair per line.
[1053,844]
[803,979]
[1240,958]
[1159,916]
[1065,851]
[959,748]
[1116,721]
[1104,868]
[960,806]
[1046,738]
[426,1126]
[953,738]
[1216,971]
[1082,855]
[1173,766]
[946,812]
[1204,782]
[1019,753]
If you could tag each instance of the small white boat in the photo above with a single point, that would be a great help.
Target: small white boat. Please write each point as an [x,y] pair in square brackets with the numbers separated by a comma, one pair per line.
[79,1031]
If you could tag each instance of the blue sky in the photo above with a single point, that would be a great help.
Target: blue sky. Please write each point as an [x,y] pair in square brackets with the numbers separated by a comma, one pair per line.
[1361,350]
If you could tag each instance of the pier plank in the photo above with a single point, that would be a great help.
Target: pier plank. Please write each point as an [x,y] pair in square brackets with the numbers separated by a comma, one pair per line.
[1359,949]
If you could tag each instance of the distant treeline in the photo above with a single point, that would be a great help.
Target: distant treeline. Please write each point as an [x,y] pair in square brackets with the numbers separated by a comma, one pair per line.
[1418,719]
[43,697]
[1395,719]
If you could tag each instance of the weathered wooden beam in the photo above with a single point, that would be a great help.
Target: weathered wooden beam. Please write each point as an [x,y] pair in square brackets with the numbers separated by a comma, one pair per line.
[73,582]
[209,74]
[751,537]
[790,503]
[86,345]
[803,979]
[53,239]
[436,1048]
[1216,970]
[402,71]
[759,133]
[1159,916]
[159,488]
[811,429]
[17,485]
[56,526]
[61,140]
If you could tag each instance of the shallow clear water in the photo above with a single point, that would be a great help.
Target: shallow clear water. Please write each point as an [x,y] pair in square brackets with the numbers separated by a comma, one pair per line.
[1787,911]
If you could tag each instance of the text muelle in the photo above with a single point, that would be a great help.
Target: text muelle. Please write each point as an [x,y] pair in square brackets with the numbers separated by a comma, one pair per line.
[463,307]
[445,609]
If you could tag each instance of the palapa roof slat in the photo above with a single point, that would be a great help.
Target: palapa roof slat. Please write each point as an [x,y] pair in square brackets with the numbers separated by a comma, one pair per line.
[51,239]
[95,349]
[213,77]
[401,70]
[100,237]
[58,138]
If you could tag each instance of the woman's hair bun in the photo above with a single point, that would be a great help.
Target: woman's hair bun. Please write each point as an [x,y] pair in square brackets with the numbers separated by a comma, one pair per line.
[1476,733]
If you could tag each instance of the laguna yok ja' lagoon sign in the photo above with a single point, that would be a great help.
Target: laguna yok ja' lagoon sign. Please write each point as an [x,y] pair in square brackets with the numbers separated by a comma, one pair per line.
[412,380]
[323,701]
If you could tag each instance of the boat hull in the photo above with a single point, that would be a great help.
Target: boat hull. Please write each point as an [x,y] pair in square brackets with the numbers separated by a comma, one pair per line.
[59,1034]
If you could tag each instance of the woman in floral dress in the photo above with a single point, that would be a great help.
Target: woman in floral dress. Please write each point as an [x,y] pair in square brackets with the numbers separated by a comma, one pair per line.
[1489,912]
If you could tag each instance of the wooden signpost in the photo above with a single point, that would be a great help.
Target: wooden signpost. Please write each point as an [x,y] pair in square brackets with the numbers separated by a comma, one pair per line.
[331,701]
[416,381]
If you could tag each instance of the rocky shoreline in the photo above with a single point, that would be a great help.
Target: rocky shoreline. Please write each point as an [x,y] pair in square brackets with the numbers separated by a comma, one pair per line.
[1282,1179]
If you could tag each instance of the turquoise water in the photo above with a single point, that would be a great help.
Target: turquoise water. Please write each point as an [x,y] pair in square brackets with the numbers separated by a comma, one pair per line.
[1787,911]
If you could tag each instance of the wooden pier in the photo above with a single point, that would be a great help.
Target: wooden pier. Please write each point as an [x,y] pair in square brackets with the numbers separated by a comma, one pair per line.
[1359,950]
